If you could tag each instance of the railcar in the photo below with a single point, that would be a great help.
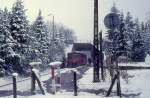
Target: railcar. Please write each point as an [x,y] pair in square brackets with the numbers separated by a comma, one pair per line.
[76,59]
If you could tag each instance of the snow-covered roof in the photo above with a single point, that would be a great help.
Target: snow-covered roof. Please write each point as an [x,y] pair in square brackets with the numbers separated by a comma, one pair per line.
[55,64]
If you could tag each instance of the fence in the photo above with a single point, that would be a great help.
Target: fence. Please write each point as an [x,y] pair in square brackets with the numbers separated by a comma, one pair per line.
[74,81]
[23,85]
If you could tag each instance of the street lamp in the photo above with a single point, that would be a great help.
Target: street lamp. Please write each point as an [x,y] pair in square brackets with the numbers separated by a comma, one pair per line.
[53,26]
[53,37]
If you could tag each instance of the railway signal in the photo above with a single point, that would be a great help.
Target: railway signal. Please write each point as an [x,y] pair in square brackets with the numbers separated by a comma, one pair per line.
[112,20]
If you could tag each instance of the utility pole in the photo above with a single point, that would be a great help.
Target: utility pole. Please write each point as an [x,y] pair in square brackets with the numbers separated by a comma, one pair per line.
[96,45]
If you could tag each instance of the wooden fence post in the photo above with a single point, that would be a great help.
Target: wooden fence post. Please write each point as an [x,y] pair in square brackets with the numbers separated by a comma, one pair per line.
[39,84]
[14,85]
[32,82]
[118,82]
[75,83]
[53,80]
[111,86]
[35,77]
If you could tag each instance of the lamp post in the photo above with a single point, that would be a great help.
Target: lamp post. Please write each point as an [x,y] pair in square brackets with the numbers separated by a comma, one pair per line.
[53,26]
[53,35]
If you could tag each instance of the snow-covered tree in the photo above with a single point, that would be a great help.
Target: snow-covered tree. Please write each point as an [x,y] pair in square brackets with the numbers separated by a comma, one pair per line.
[41,40]
[130,29]
[19,31]
[67,34]
[7,43]
[114,9]
[121,38]
[19,23]
[60,37]
[146,35]
[138,50]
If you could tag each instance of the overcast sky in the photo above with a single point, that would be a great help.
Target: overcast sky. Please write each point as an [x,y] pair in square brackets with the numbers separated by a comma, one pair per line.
[78,14]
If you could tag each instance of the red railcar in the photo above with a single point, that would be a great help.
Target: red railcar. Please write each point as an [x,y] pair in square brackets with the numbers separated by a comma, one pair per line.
[76,59]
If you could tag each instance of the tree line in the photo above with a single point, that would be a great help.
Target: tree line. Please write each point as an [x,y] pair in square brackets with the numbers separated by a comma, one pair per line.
[131,38]
[22,43]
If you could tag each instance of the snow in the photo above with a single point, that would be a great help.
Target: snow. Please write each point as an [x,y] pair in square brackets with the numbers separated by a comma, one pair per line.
[147,59]
[67,96]
[15,74]
[55,64]
[35,63]
[138,85]
[68,49]
[35,70]
[2,61]
[87,82]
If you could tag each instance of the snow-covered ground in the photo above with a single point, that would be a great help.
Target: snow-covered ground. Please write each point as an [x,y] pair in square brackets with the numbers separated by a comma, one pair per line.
[135,86]
[68,96]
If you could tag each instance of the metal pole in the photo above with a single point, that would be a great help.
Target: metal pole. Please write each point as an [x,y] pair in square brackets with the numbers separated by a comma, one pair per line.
[53,29]
[53,39]
[53,35]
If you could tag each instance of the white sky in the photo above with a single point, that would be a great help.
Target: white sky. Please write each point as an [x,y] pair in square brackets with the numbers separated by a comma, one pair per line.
[78,14]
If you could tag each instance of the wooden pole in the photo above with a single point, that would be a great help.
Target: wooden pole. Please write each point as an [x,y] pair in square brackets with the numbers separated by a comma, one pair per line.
[118,81]
[96,44]
[53,80]
[32,82]
[75,83]
[14,85]
[101,56]
[39,84]
[111,86]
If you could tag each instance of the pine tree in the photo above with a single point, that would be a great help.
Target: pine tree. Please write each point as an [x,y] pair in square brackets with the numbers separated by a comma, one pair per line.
[138,51]
[121,38]
[130,28]
[41,43]
[19,31]
[146,36]
[6,42]
[114,9]
[19,23]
